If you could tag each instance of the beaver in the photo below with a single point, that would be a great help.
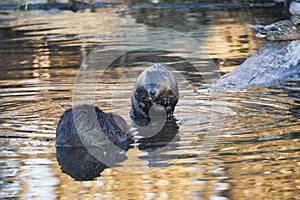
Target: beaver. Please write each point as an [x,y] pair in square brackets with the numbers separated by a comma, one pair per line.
[87,125]
[154,86]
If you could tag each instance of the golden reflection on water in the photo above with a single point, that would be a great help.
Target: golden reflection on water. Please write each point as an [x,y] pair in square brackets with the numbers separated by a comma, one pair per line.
[173,182]
[257,156]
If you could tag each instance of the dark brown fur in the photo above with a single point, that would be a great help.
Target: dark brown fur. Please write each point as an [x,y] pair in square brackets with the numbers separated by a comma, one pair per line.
[155,86]
[87,125]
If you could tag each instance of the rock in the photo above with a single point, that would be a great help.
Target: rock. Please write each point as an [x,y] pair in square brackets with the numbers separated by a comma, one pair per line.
[270,66]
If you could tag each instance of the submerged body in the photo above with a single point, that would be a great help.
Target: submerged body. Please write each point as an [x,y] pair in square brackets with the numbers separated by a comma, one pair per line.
[87,125]
[155,86]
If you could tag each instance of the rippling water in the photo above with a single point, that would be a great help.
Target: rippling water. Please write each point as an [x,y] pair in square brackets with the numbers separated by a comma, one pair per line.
[237,144]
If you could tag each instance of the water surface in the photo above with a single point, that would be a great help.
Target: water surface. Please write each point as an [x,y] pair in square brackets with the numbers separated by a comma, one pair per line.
[257,153]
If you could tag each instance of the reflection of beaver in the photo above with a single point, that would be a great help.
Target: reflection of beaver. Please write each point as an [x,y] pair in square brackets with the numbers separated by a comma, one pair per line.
[86,164]
[155,86]
[87,125]
[166,136]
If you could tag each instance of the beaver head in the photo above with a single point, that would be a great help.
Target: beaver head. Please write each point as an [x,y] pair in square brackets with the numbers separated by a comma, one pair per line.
[155,86]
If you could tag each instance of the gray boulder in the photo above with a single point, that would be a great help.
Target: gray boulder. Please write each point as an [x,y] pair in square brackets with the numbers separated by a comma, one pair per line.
[270,66]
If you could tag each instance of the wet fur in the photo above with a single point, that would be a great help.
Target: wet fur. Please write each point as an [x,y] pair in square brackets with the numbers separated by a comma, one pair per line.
[93,124]
[155,85]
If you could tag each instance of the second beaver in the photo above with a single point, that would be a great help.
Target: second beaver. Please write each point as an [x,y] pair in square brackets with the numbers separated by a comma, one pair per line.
[87,125]
[155,86]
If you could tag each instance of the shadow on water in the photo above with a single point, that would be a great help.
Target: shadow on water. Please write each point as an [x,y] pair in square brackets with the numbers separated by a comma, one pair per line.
[155,136]
[158,145]
[84,164]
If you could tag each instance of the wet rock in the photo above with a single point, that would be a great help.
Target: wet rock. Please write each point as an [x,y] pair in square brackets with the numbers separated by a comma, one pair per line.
[270,66]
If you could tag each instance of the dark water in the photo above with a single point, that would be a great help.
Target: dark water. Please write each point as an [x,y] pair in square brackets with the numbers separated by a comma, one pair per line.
[239,144]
